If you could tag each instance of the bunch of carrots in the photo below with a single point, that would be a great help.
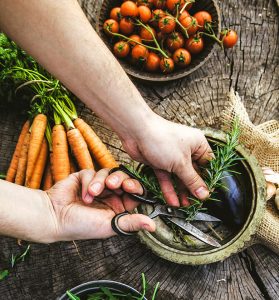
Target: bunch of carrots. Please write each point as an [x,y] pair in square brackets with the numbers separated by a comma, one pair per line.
[44,156]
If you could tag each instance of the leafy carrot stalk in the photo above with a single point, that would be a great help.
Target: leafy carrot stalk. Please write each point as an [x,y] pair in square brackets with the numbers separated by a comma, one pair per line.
[11,174]
[60,156]
[38,172]
[97,148]
[38,129]
[22,162]
[77,143]
[47,181]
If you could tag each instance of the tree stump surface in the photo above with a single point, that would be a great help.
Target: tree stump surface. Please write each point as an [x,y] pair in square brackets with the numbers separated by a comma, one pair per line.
[251,68]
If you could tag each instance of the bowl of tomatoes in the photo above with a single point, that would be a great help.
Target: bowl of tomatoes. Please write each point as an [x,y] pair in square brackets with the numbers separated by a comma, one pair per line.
[160,40]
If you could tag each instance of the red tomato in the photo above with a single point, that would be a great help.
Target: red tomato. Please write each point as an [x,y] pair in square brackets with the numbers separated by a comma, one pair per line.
[136,38]
[159,3]
[190,24]
[229,38]
[121,49]
[167,24]
[148,3]
[139,53]
[129,9]
[172,4]
[115,14]
[111,26]
[152,63]
[194,44]
[183,15]
[175,41]
[146,34]
[144,14]
[182,57]
[203,17]
[166,65]
[126,26]
[189,5]
[157,14]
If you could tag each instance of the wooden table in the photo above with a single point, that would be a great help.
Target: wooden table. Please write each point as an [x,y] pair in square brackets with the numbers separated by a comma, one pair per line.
[252,69]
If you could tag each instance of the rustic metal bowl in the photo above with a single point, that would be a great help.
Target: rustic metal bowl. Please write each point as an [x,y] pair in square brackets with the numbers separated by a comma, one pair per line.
[85,289]
[237,227]
[197,61]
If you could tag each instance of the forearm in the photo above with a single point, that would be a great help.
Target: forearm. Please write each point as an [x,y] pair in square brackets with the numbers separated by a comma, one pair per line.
[26,214]
[59,36]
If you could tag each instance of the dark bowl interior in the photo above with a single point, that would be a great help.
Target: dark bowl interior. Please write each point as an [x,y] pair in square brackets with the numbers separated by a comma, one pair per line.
[197,61]
[233,209]
[85,289]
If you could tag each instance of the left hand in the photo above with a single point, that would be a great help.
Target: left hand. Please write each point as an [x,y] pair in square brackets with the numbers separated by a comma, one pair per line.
[83,206]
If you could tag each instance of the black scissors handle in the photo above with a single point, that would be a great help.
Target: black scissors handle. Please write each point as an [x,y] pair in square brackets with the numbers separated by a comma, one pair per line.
[145,197]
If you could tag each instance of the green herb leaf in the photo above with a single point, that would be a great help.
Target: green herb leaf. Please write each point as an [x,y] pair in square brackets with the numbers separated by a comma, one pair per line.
[72,296]
[4,274]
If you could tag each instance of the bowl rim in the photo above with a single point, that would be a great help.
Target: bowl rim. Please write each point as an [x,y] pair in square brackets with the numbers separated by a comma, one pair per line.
[171,76]
[239,240]
[87,286]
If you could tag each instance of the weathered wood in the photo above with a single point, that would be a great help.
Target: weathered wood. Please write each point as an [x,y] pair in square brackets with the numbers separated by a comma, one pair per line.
[252,69]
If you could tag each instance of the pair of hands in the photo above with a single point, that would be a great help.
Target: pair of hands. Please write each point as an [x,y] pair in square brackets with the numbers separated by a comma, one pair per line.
[85,203]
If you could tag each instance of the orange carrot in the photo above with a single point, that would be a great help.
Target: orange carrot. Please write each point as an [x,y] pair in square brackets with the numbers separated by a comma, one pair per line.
[22,162]
[73,166]
[60,158]
[47,181]
[38,172]
[11,174]
[79,149]
[36,138]
[97,148]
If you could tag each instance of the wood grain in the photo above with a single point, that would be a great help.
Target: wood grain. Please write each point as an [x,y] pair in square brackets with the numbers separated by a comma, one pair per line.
[252,69]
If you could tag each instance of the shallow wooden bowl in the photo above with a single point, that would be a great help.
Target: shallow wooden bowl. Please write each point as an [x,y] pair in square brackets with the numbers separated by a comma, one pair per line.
[197,61]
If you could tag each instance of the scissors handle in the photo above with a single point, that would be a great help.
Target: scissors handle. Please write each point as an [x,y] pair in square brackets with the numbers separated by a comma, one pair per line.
[145,197]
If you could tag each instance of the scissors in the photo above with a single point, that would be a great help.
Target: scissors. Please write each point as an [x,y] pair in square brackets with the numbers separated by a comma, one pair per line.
[167,213]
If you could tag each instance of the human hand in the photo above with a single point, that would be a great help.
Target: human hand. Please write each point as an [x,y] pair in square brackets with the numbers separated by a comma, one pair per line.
[171,147]
[85,203]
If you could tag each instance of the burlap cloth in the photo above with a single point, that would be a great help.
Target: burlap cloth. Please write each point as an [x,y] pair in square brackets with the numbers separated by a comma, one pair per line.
[263,142]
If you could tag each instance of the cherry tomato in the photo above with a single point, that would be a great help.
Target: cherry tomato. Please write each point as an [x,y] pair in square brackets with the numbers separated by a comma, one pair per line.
[172,4]
[166,65]
[175,41]
[152,63]
[121,49]
[146,34]
[148,3]
[159,3]
[126,26]
[189,5]
[183,15]
[115,14]
[167,24]
[139,53]
[229,38]
[157,14]
[160,36]
[194,44]
[111,26]
[190,24]
[202,17]
[144,13]
[136,38]
[129,9]
[182,57]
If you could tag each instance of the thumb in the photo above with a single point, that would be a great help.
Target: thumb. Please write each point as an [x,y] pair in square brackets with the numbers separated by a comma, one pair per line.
[136,222]
[193,181]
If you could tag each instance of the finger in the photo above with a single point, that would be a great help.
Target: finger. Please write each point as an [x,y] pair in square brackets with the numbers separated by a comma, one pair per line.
[167,187]
[85,177]
[182,194]
[132,186]
[115,203]
[192,180]
[114,180]
[203,153]
[136,222]
[129,203]
[97,185]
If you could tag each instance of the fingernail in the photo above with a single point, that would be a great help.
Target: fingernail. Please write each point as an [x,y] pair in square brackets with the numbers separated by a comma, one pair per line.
[202,192]
[87,198]
[113,180]
[95,187]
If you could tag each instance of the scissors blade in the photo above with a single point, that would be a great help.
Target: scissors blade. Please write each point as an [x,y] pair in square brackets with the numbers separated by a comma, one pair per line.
[194,231]
[206,218]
